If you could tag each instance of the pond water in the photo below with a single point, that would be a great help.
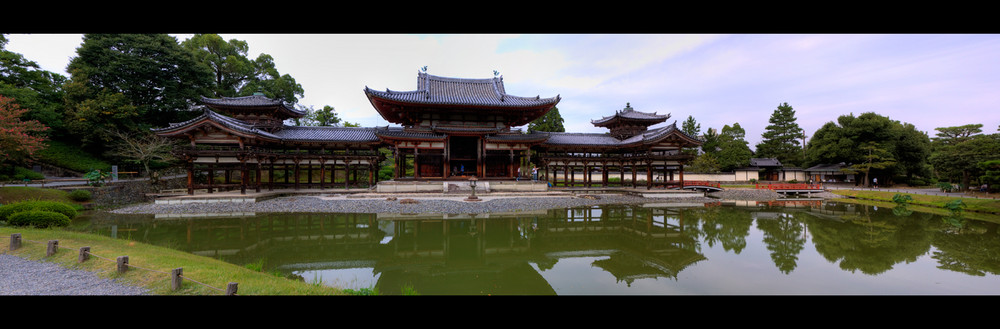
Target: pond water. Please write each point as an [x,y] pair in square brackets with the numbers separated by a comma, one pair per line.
[724,248]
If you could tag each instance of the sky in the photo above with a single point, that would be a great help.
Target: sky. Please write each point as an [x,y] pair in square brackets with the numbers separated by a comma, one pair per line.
[929,80]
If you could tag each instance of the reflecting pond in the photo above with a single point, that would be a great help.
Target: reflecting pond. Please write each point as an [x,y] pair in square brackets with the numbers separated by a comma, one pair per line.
[730,248]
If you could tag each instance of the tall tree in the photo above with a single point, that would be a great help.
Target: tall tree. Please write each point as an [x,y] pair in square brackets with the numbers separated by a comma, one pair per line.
[848,139]
[780,139]
[235,74]
[132,81]
[691,127]
[734,151]
[958,151]
[33,88]
[326,116]
[550,122]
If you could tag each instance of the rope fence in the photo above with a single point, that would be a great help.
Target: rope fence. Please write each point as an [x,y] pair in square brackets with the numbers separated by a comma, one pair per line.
[176,275]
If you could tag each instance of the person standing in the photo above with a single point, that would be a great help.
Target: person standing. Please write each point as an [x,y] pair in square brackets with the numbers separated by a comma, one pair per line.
[518,174]
[534,174]
[875,182]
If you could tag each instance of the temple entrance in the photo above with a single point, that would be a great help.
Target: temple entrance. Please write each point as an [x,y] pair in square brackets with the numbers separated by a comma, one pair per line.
[463,155]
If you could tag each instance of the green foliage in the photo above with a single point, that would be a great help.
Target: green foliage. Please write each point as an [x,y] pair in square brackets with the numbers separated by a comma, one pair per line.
[97,177]
[901,199]
[38,218]
[732,152]
[6,211]
[33,88]
[235,74]
[955,206]
[781,138]
[869,139]
[959,151]
[130,82]
[704,163]
[945,186]
[362,292]
[18,174]
[691,127]
[80,195]
[550,122]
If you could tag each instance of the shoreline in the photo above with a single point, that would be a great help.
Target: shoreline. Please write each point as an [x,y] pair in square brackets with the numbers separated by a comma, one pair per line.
[413,204]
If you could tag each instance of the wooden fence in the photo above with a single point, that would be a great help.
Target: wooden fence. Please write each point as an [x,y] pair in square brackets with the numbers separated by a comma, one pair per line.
[176,275]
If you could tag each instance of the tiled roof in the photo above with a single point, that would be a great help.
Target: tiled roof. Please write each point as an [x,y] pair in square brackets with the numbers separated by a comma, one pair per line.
[287,133]
[594,139]
[253,101]
[631,114]
[535,136]
[827,167]
[765,162]
[327,134]
[435,90]
[398,132]
[223,120]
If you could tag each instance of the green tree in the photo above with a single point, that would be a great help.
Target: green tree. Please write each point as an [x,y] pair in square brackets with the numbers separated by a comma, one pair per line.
[235,74]
[711,141]
[780,139]
[848,139]
[733,151]
[33,88]
[323,117]
[153,73]
[704,163]
[958,151]
[550,122]
[691,127]
[876,157]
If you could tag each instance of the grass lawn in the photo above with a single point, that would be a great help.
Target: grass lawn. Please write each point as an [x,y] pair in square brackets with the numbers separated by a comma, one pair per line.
[989,206]
[11,194]
[151,265]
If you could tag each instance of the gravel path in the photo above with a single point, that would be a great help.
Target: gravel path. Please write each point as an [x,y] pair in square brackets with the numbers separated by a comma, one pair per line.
[19,276]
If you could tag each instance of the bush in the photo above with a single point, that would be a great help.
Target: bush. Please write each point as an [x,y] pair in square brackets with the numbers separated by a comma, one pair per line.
[38,218]
[80,195]
[6,211]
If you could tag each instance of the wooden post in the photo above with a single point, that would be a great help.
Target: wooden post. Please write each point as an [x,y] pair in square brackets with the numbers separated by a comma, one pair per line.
[175,278]
[84,254]
[122,264]
[53,246]
[231,289]
[15,241]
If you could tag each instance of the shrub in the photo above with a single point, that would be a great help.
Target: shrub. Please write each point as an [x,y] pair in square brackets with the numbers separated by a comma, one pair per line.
[6,211]
[80,195]
[38,218]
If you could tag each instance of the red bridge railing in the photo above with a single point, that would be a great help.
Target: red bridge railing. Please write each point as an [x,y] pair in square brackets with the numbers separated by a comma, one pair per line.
[692,183]
[789,186]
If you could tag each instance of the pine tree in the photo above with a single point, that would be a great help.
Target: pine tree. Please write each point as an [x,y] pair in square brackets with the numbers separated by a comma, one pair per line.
[781,138]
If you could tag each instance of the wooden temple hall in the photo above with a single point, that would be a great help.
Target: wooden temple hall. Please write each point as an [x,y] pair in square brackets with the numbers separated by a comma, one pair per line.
[449,129]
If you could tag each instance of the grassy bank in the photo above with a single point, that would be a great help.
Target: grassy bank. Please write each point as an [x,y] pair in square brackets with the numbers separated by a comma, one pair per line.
[988,206]
[152,265]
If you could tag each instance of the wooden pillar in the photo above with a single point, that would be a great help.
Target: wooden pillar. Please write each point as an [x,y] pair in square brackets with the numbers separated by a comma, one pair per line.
[270,175]
[243,176]
[211,177]
[297,172]
[565,174]
[632,169]
[190,178]
[649,174]
[347,172]
[604,174]
[322,171]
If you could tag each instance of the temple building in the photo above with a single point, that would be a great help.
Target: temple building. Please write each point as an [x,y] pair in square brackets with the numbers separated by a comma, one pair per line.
[458,128]
[449,129]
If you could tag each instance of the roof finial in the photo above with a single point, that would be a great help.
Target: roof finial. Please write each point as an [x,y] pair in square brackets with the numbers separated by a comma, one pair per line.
[496,73]
[424,69]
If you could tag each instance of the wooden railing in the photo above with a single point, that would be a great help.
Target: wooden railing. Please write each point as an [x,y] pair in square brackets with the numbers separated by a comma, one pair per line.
[789,186]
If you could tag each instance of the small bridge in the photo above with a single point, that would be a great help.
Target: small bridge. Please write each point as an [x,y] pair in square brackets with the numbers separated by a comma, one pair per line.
[791,188]
[695,185]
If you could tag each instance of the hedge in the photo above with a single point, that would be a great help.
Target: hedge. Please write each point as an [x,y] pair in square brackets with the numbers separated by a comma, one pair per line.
[38,218]
[6,211]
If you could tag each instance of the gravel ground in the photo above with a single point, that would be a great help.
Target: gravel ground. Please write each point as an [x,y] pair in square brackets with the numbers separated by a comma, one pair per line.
[19,276]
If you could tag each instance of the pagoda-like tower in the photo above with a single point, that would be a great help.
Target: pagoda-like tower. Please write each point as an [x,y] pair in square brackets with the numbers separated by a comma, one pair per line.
[257,110]
[629,122]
